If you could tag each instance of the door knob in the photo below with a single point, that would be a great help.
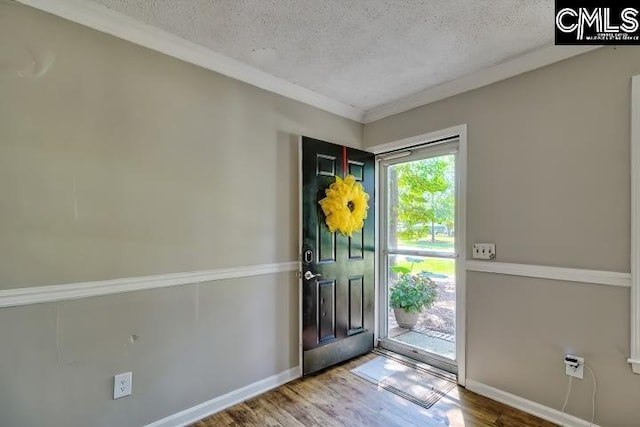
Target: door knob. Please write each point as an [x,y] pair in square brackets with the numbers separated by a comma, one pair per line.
[309,275]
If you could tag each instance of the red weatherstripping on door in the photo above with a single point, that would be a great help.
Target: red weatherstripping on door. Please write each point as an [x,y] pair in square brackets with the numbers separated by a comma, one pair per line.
[344,162]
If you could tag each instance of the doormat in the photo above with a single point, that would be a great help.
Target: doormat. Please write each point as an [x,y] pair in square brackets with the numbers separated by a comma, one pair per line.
[417,386]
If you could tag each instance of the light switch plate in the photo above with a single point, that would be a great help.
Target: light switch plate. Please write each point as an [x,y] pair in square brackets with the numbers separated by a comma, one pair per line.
[484,250]
[122,385]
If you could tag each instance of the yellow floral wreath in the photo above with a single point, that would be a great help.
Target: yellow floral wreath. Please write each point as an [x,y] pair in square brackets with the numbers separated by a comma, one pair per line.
[345,206]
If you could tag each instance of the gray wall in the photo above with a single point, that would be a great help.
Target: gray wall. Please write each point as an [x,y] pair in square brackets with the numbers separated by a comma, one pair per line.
[122,162]
[174,168]
[549,183]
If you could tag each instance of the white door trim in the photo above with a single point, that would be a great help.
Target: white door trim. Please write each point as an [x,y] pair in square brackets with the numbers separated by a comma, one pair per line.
[460,133]
[424,138]
[634,358]
[461,250]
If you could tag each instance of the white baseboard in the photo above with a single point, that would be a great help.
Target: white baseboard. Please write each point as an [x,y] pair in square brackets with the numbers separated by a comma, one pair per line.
[533,408]
[203,410]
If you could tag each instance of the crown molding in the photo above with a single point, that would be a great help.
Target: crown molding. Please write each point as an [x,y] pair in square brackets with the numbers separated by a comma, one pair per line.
[521,64]
[105,20]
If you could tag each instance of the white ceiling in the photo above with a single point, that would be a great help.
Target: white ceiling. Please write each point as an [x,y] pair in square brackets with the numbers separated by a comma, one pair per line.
[346,56]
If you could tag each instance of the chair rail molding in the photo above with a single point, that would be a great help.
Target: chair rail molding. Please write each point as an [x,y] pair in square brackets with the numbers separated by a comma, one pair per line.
[634,358]
[578,275]
[50,293]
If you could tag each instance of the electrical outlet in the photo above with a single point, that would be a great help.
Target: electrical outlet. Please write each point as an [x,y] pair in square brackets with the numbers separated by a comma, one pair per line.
[484,250]
[122,385]
[574,366]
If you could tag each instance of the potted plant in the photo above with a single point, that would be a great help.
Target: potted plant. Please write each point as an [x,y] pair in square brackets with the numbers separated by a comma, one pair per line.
[410,294]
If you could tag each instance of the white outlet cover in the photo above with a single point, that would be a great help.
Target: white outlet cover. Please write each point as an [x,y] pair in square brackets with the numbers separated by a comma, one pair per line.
[577,372]
[122,385]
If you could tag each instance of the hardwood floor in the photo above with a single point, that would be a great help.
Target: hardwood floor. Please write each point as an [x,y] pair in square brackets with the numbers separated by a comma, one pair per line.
[336,397]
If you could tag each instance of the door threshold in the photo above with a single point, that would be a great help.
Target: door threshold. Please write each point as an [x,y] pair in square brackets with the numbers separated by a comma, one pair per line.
[431,369]
[420,355]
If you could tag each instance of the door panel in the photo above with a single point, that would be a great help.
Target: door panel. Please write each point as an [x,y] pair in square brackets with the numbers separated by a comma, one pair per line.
[356,308]
[338,305]
[325,311]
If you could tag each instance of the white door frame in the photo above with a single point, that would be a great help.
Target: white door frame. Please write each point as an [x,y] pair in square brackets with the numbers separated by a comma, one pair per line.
[459,132]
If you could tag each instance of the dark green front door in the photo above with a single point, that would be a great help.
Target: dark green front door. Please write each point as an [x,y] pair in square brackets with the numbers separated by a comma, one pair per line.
[338,301]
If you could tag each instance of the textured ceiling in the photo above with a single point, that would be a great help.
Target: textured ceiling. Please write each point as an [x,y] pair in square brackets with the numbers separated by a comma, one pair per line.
[364,53]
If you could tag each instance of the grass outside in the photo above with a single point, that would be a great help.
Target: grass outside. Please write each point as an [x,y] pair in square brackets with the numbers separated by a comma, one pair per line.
[437,266]
[441,243]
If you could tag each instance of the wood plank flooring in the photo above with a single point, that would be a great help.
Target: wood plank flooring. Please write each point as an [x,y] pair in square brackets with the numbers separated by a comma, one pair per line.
[336,397]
